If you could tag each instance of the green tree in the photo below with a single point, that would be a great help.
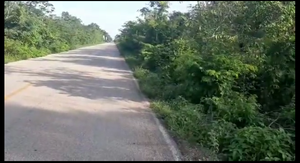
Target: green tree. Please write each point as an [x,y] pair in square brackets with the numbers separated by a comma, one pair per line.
[222,66]
[31,30]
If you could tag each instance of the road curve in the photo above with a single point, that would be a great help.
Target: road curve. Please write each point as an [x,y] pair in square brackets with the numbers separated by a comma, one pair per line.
[81,105]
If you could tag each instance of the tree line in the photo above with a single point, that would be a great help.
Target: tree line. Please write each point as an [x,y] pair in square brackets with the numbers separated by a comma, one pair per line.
[32,30]
[221,75]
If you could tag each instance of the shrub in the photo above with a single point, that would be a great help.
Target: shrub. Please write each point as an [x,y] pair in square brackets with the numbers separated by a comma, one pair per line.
[261,144]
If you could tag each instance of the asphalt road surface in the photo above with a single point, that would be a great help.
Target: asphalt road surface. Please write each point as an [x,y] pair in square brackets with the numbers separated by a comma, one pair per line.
[81,105]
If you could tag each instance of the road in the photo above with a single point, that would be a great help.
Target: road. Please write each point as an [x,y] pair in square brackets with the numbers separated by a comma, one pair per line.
[80,105]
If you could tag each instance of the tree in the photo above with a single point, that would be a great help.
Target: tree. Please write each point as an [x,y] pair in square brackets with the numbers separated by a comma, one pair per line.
[32,30]
[223,73]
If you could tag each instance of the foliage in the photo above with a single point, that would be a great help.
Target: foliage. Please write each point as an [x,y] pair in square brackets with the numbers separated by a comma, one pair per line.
[223,74]
[261,144]
[31,30]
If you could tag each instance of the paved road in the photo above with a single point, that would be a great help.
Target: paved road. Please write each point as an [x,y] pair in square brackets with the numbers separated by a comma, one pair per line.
[79,105]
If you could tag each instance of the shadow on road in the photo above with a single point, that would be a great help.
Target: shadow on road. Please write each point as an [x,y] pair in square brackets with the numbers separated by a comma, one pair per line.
[106,58]
[113,79]
[80,84]
[41,134]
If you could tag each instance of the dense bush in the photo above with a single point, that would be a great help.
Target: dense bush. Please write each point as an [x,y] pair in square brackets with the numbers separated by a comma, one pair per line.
[32,31]
[261,144]
[222,74]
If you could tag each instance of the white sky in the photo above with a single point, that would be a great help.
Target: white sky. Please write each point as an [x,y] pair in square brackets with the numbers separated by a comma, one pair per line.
[109,15]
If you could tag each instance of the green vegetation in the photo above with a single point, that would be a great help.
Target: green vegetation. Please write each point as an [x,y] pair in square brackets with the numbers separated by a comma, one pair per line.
[221,75]
[32,31]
